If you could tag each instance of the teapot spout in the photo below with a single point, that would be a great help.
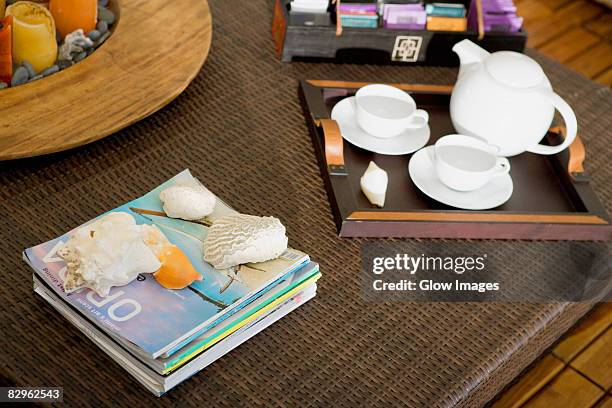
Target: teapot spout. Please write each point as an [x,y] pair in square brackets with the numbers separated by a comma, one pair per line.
[470,54]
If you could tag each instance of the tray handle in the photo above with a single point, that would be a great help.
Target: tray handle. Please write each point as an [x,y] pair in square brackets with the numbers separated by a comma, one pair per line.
[577,154]
[334,146]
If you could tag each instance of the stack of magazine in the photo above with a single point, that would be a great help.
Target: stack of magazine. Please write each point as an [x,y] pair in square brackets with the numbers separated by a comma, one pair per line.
[163,336]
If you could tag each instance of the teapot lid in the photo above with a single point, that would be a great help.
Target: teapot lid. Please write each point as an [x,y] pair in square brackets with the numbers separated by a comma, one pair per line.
[514,69]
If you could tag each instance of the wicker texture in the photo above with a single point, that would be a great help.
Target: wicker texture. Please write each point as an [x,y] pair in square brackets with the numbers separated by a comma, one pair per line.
[240,129]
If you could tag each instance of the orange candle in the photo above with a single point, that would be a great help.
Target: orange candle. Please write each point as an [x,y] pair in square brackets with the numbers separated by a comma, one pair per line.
[6,53]
[33,35]
[70,15]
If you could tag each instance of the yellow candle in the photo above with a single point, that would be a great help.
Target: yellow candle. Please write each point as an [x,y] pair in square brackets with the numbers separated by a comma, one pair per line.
[33,35]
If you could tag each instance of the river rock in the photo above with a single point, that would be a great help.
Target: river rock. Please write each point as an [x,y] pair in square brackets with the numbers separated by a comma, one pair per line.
[94,35]
[30,68]
[20,76]
[80,56]
[51,70]
[105,14]
[102,27]
[63,64]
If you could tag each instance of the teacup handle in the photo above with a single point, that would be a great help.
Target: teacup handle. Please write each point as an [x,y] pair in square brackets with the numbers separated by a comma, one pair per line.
[418,119]
[570,124]
[502,166]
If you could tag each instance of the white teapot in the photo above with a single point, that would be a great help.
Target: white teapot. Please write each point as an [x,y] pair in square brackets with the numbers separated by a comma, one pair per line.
[506,99]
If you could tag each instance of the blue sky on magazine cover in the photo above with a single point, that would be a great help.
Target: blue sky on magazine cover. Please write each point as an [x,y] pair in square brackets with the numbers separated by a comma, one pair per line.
[162,314]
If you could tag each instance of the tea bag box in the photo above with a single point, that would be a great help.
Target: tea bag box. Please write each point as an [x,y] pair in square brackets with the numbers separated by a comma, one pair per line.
[382,45]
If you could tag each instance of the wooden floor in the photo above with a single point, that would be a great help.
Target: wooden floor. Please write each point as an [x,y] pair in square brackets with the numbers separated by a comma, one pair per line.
[577,33]
[577,373]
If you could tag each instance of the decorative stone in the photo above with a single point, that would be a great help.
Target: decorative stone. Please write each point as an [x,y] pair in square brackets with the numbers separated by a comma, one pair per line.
[94,35]
[102,39]
[35,78]
[63,64]
[30,69]
[105,14]
[102,3]
[51,70]
[20,76]
[3,85]
[80,56]
[102,27]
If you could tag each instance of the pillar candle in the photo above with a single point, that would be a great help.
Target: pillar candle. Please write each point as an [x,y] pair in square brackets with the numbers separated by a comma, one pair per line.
[70,15]
[33,35]
[6,45]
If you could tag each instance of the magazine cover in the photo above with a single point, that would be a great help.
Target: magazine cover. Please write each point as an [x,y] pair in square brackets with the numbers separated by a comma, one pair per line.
[149,316]
[294,283]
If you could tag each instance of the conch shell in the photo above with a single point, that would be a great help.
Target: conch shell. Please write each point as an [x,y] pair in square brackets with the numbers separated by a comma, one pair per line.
[238,239]
[374,184]
[114,250]
[105,253]
[188,202]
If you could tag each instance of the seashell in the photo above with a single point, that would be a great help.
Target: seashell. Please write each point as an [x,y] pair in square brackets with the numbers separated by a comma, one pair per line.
[75,43]
[374,184]
[176,270]
[238,239]
[108,252]
[188,202]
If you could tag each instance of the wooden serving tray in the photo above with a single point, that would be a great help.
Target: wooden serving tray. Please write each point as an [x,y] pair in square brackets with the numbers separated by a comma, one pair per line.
[157,48]
[552,198]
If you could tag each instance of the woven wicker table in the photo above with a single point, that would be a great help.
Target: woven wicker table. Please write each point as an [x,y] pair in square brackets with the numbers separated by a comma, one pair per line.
[239,127]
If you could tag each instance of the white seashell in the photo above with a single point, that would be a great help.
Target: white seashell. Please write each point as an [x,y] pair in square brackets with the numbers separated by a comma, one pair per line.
[75,42]
[238,239]
[188,202]
[374,184]
[108,252]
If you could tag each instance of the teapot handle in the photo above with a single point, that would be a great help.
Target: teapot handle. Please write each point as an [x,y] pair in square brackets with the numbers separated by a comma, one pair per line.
[570,124]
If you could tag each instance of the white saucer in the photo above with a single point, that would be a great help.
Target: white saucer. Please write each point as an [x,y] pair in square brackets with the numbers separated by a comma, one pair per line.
[423,175]
[409,141]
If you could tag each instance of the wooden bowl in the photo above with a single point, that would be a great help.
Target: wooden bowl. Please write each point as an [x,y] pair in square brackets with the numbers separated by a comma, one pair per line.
[157,48]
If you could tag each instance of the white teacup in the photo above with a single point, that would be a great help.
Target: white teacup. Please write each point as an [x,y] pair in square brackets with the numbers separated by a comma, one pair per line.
[465,163]
[385,111]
